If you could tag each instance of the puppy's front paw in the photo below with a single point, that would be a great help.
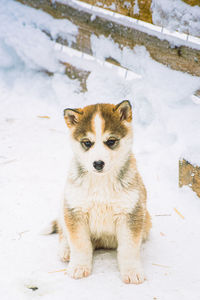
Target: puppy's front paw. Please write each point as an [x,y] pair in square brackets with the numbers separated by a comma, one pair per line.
[78,271]
[133,276]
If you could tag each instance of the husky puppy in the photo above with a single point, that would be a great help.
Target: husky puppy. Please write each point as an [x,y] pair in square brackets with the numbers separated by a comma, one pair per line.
[104,205]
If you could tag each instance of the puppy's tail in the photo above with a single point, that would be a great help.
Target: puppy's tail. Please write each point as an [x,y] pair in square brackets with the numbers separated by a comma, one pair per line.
[53,227]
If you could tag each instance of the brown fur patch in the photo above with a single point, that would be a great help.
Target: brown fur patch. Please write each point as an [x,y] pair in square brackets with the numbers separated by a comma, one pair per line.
[113,122]
[137,182]
[76,223]
[85,122]
[105,242]
[130,179]
[72,218]
[81,120]
[147,226]
[136,219]
[123,174]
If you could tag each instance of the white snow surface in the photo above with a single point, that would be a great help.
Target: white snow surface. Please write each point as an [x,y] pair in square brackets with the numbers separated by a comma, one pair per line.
[22,28]
[176,15]
[35,154]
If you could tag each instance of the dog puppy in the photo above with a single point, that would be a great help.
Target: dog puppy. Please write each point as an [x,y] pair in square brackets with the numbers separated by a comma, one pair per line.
[104,205]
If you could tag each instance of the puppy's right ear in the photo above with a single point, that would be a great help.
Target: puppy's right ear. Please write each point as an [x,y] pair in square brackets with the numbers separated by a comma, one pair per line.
[72,116]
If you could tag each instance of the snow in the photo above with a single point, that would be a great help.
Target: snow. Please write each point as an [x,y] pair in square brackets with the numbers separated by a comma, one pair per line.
[176,15]
[127,5]
[24,27]
[136,9]
[35,154]
[112,6]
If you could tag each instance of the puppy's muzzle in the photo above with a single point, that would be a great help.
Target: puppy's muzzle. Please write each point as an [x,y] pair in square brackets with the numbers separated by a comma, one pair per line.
[98,165]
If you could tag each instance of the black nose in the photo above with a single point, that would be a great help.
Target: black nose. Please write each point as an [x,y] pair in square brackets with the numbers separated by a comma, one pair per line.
[98,165]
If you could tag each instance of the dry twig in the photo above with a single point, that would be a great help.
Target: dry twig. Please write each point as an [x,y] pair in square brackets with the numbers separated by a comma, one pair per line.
[43,117]
[178,212]
[62,270]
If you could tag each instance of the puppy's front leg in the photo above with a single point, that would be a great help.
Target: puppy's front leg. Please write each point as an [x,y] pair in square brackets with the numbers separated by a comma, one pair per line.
[129,242]
[80,245]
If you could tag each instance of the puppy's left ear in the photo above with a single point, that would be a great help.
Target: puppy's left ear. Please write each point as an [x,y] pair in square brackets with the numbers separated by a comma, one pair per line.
[125,110]
[71,116]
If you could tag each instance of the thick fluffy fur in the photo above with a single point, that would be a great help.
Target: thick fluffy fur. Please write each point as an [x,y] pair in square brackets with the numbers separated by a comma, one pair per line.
[103,208]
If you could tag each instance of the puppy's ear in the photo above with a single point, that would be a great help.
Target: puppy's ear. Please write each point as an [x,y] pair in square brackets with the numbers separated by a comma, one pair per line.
[71,116]
[125,110]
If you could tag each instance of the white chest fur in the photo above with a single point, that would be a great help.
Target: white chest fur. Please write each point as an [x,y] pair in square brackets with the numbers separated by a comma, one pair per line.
[103,200]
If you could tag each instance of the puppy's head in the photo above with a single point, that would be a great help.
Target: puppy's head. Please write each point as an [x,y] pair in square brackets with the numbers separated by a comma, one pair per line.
[101,135]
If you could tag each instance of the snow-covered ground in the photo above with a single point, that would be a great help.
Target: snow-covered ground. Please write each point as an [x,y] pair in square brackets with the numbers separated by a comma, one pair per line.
[176,15]
[35,153]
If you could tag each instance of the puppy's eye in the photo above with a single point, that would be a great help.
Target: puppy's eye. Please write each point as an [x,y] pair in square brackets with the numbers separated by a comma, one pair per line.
[86,144]
[111,143]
